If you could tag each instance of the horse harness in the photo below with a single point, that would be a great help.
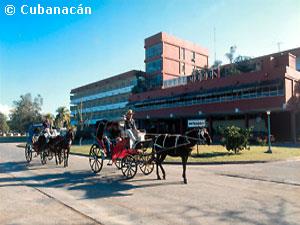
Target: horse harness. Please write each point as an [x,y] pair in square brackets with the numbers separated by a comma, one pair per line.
[176,145]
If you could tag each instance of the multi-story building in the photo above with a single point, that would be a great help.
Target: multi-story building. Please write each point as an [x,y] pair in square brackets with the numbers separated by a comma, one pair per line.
[104,99]
[234,94]
[168,57]
[178,89]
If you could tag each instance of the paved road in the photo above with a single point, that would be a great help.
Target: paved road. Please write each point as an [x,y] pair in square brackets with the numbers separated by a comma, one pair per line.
[225,194]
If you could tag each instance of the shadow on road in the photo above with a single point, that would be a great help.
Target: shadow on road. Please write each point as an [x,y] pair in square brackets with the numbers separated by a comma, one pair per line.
[277,214]
[8,167]
[92,185]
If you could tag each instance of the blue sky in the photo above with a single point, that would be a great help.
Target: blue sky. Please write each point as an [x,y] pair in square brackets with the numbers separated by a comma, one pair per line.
[51,54]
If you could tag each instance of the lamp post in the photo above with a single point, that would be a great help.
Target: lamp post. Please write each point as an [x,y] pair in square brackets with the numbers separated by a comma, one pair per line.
[269,133]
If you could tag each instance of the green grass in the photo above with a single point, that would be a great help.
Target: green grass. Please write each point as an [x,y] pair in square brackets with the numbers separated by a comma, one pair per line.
[217,153]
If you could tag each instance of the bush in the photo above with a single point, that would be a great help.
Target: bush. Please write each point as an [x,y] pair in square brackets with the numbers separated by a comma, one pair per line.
[235,138]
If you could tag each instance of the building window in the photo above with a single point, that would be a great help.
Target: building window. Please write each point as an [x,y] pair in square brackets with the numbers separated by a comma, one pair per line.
[182,53]
[155,50]
[154,66]
[154,81]
[182,68]
[298,63]
[193,56]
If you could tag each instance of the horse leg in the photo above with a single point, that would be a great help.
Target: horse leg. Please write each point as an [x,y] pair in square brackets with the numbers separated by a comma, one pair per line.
[55,154]
[66,157]
[157,164]
[184,161]
[160,165]
[60,156]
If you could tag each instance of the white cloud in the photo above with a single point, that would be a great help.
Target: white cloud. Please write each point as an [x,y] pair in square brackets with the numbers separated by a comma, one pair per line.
[5,109]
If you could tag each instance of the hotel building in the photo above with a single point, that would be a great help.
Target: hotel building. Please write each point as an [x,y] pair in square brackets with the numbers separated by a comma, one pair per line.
[179,88]
[235,94]
[168,57]
[104,99]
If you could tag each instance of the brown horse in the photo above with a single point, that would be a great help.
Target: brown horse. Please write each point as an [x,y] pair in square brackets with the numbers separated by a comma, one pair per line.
[178,145]
[59,145]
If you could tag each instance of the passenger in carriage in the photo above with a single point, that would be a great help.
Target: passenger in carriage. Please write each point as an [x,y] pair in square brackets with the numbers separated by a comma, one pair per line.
[107,136]
[130,128]
[47,129]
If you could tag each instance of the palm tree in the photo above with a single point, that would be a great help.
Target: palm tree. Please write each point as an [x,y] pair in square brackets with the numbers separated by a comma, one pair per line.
[230,54]
[62,118]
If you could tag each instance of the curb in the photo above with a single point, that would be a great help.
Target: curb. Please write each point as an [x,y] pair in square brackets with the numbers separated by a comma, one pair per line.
[208,163]
[218,163]
[200,163]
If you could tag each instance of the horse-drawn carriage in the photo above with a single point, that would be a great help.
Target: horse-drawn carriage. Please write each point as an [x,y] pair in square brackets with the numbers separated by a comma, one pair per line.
[119,152]
[34,132]
[144,153]
[58,145]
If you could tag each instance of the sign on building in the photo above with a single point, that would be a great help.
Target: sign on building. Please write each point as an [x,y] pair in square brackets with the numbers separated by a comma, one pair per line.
[197,123]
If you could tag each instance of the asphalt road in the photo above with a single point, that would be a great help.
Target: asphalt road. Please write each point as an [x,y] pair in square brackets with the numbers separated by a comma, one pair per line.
[265,193]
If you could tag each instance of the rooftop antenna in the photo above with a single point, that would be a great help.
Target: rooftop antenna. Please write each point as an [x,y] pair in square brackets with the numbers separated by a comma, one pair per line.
[215,51]
[278,45]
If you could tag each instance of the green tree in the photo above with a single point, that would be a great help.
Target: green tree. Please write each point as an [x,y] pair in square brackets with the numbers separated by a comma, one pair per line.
[244,64]
[3,123]
[235,138]
[25,112]
[62,118]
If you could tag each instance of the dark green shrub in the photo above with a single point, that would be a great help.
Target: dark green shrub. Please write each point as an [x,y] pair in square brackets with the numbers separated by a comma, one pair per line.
[235,138]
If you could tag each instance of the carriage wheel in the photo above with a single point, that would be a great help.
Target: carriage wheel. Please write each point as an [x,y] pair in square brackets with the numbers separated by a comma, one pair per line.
[28,152]
[118,164]
[96,158]
[43,155]
[146,164]
[129,166]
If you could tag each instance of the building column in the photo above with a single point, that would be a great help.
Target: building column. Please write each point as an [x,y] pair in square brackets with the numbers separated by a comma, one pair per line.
[181,125]
[293,126]
[246,120]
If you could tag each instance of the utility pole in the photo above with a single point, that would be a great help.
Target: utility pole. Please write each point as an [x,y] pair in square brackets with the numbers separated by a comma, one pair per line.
[278,45]
[215,51]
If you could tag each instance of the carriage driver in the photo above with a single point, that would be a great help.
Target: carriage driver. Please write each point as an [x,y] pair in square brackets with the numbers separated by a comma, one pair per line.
[130,128]
[48,131]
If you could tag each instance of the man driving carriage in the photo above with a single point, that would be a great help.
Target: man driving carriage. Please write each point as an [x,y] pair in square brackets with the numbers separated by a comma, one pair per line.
[48,131]
[130,128]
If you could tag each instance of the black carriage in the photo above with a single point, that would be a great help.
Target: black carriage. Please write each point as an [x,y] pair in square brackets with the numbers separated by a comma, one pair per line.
[34,132]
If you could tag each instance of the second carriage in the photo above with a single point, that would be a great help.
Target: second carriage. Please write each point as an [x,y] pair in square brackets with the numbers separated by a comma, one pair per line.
[127,159]
[34,132]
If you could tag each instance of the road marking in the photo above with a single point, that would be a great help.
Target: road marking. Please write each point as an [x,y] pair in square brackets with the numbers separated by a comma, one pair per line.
[259,179]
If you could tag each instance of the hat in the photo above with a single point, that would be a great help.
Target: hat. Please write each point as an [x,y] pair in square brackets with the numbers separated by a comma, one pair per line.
[129,112]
